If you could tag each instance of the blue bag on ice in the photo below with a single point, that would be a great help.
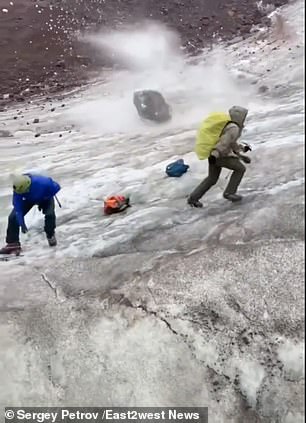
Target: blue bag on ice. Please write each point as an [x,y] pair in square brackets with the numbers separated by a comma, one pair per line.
[177,168]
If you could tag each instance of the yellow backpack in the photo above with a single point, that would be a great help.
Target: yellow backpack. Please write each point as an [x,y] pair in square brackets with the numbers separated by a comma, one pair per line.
[209,133]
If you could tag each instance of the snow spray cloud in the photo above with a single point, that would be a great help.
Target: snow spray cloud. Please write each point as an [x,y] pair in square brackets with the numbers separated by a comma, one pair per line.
[148,46]
[149,57]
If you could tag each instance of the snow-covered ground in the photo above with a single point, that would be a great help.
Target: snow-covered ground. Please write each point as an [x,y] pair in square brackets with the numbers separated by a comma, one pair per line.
[109,150]
[163,305]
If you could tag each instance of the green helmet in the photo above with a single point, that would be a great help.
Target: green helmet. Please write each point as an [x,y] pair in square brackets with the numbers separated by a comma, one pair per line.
[21,184]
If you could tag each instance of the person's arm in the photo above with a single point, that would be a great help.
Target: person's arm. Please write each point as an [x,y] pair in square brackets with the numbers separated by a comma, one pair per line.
[237,148]
[18,206]
[243,148]
[227,142]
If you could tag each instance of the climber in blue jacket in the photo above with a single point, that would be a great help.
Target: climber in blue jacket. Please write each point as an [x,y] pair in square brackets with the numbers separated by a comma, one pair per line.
[31,190]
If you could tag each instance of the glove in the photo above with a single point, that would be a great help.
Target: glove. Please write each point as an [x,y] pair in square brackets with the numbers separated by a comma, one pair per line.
[24,229]
[245,159]
[246,148]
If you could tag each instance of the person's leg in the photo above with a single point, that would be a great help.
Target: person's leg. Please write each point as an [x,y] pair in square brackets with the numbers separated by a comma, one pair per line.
[48,209]
[12,232]
[238,168]
[214,171]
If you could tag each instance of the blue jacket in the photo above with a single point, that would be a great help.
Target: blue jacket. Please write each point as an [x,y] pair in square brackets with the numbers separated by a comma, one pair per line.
[42,189]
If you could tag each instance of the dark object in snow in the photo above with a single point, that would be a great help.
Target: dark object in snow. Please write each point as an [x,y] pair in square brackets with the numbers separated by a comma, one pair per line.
[4,133]
[177,168]
[36,120]
[116,204]
[263,89]
[37,135]
[151,105]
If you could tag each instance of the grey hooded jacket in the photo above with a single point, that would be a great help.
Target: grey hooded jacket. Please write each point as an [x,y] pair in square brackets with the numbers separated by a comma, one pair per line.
[227,144]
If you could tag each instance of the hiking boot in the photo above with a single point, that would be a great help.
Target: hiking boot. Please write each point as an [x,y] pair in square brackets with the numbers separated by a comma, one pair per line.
[11,248]
[194,203]
[232,197]
[52,241]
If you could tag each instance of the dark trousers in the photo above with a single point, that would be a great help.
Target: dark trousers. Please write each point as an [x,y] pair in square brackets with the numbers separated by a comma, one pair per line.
[47,207]
[214,171]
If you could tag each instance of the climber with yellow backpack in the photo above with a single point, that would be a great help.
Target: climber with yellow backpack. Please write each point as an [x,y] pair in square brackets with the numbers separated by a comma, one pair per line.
[217,141]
